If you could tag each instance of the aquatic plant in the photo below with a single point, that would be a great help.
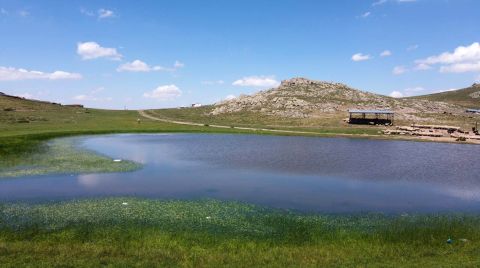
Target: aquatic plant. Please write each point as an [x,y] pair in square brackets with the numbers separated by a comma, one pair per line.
[64,155]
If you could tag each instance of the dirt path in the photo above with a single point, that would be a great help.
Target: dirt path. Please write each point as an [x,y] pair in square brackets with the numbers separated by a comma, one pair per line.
[144,114]
[409,138]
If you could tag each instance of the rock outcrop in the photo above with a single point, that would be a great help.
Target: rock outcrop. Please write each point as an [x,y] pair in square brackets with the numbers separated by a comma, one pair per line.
[302,98]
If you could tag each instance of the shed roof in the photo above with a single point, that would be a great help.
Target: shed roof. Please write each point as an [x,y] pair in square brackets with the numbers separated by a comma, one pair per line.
[355,111]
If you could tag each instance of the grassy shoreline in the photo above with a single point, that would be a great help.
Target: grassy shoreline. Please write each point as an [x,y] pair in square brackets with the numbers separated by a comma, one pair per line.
[148,232]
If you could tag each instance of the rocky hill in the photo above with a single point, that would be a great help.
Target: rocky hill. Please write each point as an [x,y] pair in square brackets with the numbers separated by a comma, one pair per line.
[304,98]
[467,97]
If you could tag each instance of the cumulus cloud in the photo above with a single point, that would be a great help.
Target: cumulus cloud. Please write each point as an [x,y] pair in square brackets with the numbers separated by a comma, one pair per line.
[462,59]
[399,70]
[140,66]
[396,94]
[167,92]
[215,82]
[461,67]
[386,53]
[230,97]
[422,67]
[13,74]
[134,66]
[92,50]
[360,57]
[92,96]
[257,81]
[460,54]
[105,13]
[414,91]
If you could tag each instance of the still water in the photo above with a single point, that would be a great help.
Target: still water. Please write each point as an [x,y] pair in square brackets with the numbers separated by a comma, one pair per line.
[300,173]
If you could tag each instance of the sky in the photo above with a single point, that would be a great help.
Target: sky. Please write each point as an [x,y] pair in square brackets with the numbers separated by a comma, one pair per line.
[159,54]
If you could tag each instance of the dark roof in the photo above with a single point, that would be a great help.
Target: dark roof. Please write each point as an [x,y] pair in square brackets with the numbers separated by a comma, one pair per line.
[473,110]
[355,111]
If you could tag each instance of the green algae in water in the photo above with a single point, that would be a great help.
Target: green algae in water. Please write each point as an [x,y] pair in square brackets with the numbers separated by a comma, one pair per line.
[62,156]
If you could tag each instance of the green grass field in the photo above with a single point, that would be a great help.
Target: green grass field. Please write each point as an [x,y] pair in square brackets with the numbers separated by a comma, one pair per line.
[139,232]
[145,232]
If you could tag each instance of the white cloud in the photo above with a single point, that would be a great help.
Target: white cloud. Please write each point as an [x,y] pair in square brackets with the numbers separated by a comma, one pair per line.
[92,96]
[399,70]
[92,50]
[366,14]
[14,74]
[217,82]
[230,97]
[413,47]
[406,1]
[379,2]
[166,92]
[81,97]
[134,66]
[257,81]
[360,57]
[105,13]
[462,59]
[422,67]
[140,66]
[477,79]
[461,68]
[414,91]
[386,53]
[460,54]
[26,95]
[396,94]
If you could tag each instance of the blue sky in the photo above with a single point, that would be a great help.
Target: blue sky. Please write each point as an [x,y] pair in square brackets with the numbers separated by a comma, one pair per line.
[151,54]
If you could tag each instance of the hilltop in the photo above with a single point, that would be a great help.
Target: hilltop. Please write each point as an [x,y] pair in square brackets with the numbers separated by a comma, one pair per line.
[15,109]
[305,98]
[467,97]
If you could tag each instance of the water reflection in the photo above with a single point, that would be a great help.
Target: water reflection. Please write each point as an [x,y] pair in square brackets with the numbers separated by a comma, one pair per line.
[311,174]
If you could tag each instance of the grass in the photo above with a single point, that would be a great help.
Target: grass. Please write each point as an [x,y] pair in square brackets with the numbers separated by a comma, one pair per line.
[144,232]
[62,156]
[459,97]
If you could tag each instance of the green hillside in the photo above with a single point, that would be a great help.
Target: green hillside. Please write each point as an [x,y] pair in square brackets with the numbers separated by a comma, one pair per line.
[467,97]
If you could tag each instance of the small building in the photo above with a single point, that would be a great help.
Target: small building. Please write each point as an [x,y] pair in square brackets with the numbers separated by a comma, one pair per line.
[195,105]
[376,117]
[74,105]
[473,111]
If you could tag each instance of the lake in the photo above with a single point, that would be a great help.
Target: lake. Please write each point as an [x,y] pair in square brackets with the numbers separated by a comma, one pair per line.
[333,175]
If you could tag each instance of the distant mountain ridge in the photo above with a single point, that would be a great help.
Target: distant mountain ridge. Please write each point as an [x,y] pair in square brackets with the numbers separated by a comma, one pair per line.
[467,97]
